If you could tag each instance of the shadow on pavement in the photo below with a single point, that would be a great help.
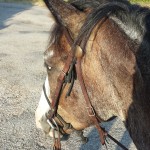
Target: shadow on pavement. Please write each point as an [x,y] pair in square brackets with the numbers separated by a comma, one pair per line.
[94,142]
[8,10]
[126,142]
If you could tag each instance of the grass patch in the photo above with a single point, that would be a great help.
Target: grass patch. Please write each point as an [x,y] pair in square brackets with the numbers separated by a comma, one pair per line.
[139,1]
[142,2]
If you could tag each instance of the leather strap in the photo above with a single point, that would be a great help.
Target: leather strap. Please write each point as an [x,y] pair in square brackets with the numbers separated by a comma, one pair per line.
[60,81]
[57,143]
[89,107]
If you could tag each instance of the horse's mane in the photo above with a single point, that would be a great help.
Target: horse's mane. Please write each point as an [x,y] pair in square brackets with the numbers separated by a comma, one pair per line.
[134,20]
[84,4]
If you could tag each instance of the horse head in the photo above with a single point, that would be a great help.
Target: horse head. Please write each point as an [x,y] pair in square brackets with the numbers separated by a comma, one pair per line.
[112,65]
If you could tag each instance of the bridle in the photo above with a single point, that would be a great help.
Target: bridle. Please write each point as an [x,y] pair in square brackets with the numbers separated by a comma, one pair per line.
[72,70]
[58,122]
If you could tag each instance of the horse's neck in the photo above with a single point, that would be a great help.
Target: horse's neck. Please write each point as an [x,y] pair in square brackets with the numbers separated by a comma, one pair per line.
[110,73]
[138,121]
[138,125]
[121,87]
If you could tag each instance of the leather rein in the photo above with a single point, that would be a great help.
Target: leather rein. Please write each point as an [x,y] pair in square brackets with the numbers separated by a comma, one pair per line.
[72,63]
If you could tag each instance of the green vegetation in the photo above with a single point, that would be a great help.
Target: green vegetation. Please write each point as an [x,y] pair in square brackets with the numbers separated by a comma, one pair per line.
[140,1]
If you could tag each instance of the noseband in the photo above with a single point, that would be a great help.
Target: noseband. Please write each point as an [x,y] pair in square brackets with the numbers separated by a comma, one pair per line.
[72,70]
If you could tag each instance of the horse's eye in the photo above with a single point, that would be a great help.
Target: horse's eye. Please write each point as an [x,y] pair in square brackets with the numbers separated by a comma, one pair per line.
[49,68]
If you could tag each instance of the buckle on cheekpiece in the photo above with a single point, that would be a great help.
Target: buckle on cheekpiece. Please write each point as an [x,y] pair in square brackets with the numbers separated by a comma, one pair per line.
[91,111]
[52,124]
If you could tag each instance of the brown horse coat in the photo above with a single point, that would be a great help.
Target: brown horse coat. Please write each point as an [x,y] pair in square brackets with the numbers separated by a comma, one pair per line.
[114,71]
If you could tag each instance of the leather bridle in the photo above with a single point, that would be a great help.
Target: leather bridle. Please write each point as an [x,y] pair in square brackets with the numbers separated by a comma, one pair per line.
[73,62]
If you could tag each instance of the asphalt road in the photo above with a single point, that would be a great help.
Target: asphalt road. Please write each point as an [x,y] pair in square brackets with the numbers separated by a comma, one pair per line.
[24,33]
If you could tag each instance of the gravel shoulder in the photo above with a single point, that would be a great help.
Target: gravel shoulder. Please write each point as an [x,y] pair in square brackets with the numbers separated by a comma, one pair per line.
[24,33]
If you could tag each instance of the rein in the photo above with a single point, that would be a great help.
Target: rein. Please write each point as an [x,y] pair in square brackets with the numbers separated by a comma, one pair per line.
[67,75]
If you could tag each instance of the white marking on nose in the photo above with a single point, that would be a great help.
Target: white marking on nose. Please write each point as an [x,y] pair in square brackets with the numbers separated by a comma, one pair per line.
[43,102]
[42,109]
[43,106]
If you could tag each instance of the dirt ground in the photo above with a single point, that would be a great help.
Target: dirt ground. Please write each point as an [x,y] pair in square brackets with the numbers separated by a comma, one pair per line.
[24,32]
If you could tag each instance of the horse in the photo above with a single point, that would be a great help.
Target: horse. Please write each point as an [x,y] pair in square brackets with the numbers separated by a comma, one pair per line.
[114,36]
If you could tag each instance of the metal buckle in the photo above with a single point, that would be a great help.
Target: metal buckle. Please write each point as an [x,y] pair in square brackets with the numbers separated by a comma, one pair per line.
[51,124]
[92,110]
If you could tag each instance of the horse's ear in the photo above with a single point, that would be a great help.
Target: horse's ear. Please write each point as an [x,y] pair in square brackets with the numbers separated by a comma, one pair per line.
[66,14]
